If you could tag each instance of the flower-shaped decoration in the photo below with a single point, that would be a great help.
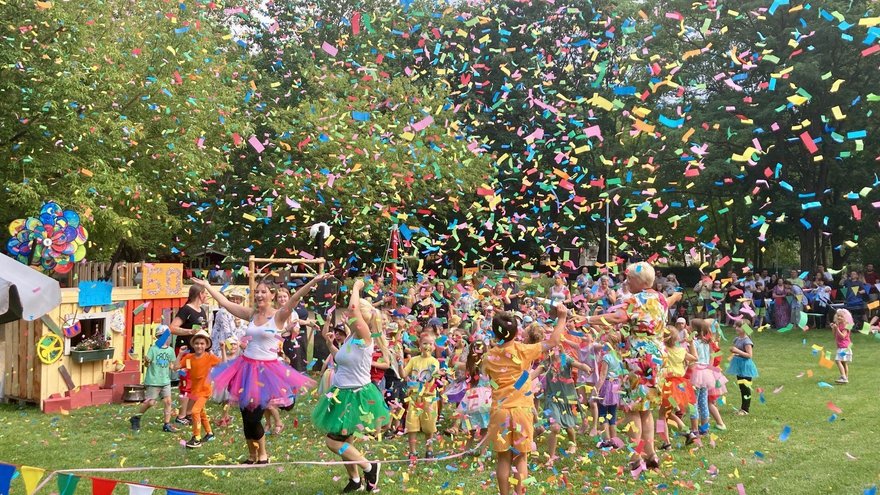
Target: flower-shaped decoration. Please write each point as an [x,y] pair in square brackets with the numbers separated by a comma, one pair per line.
[56,238]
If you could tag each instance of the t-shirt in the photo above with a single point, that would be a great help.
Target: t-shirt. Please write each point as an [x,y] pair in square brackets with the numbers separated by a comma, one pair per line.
[674,362]
[741,343]
[377,374]
[505,366]
[199,368]
[419,374]
[191,318]
[158,371]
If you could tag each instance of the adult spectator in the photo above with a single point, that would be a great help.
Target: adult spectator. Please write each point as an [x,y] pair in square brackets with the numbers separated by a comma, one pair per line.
[794,279]
[584,281]
[854,296]
[514,293]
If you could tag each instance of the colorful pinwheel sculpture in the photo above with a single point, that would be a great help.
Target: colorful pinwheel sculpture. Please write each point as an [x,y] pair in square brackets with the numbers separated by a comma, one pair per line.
[56,239]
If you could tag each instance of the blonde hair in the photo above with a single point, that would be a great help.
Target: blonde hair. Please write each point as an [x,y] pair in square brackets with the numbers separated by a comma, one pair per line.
[640,274]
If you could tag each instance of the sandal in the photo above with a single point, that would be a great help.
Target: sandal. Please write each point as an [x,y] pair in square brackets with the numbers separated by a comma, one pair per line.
[248,461]
[263,461]
[653,463]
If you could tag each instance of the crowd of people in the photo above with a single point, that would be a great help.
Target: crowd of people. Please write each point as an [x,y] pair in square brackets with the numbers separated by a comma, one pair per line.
[500,364]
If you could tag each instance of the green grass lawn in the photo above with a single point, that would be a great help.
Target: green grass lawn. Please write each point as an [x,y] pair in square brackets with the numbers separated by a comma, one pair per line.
[823,454]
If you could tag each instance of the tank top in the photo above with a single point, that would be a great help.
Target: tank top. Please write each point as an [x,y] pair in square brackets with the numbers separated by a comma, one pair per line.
[704,351]
[263,345]
[353,361]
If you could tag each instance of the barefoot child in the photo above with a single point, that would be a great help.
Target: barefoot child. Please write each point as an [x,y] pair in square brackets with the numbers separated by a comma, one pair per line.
[157,380]
[512,420]
[477,401]
[198,364]
[608,390]
[560,399]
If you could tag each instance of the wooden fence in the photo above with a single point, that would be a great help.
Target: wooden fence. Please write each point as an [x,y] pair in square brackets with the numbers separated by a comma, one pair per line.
[124,274]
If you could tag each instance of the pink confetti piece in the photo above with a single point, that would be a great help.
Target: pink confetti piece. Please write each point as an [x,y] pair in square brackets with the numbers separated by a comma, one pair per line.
[257,145]
[330,49]
[740,489]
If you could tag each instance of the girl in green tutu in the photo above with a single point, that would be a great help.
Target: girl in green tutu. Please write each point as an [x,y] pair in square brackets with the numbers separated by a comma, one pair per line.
[353,403]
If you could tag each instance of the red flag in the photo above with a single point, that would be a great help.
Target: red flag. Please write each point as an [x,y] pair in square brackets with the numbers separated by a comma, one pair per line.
[101,486]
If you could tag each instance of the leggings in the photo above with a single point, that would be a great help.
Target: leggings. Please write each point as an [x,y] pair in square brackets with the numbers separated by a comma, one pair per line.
[252,420]
[200,417]
[703,404]
[745,389]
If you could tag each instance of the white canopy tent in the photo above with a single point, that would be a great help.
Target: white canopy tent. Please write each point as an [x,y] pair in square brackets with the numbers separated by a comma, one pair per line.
[25,294]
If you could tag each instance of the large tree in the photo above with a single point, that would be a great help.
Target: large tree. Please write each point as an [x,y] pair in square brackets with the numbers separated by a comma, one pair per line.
[114,110]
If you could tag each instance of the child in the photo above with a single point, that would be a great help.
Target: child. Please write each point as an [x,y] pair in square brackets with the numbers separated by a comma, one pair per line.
[477,401]
[560,399]
[706,377]
[677,393]
[421,415]
[608,387]
[157,380]
[588,351]
[198,364]
[742,366]
[229,351]
[842,324]
[512,420]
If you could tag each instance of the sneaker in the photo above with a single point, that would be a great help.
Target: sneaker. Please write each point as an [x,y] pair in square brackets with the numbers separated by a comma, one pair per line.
[189,418]
[135,423]
[429,454]
[208,437]
[841,380]
[371,479]
[170,428]
[353,486]
[181,421]
[193,443]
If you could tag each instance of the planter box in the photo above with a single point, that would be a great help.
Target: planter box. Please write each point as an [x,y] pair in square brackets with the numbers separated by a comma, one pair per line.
[87,356]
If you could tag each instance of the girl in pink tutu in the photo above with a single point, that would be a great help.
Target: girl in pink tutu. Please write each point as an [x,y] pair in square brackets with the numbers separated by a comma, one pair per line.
[708,380]
[257,379]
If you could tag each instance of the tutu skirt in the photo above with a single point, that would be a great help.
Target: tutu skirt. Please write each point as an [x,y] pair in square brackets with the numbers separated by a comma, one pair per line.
[710,378]
[844,354]
[346,411]
[740,366]
[475,406]
[251,383]
[677,393]
[609,394]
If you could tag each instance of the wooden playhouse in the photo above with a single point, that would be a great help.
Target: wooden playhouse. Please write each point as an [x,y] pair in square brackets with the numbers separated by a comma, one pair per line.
[125,317]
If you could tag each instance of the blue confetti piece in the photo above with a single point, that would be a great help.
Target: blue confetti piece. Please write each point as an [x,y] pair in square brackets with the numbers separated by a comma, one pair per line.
[786,432]
[522,380]
[871,491]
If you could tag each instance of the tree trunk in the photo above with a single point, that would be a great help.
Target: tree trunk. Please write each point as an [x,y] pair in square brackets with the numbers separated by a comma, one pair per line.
[808,248]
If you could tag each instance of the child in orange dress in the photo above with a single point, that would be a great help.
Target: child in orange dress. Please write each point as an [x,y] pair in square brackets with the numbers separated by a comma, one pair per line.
[512,417]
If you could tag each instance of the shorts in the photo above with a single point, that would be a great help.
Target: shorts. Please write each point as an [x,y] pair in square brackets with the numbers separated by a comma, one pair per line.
[155,392]
[421,417]
[512,429]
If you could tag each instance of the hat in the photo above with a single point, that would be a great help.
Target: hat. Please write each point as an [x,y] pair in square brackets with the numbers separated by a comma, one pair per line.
[681,320]
[435,322]
[237,292]
[203,334]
